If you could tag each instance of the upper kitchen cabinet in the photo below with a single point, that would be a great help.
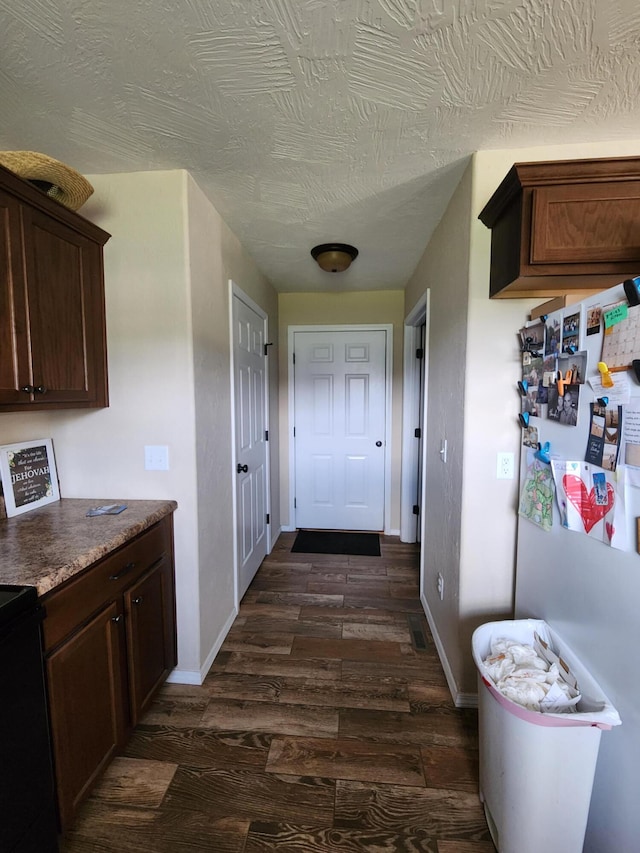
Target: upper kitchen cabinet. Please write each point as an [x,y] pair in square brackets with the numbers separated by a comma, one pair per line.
[52,314]
[568,225]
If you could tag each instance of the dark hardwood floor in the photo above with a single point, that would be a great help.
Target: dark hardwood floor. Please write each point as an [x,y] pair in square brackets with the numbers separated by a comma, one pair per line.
[322,726]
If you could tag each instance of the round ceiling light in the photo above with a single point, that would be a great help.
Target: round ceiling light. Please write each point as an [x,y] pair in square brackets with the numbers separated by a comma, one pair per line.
[334,257]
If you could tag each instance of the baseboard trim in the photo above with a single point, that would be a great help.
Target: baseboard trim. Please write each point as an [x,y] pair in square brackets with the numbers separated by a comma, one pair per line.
[461,700]
[467,700]
[186,676]
[393,532]
[274,538]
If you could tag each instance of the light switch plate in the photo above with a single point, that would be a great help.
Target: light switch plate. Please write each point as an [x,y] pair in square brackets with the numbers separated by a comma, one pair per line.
[156,457]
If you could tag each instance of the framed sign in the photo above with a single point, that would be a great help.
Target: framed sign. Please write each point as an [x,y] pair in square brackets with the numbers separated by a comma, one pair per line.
[29,477]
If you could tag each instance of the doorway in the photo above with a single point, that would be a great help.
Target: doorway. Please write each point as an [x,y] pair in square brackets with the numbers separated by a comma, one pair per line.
[414,423]
[340,380]
[251,463]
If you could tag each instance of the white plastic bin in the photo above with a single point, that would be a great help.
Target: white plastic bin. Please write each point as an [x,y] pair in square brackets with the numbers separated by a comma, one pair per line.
[537,769]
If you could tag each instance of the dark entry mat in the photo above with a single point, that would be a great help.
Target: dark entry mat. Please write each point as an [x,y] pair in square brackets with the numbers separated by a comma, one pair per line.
[337,542]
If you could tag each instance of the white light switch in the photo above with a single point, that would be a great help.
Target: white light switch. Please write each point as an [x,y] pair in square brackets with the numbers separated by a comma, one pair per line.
[156,457]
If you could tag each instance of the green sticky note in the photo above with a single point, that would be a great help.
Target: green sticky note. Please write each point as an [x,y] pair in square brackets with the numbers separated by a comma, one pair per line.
[616,315]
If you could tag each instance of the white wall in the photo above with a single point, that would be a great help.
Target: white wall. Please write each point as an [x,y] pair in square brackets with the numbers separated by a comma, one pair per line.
[167,266]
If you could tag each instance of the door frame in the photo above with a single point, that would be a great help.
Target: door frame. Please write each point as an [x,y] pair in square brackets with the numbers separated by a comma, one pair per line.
[365,327]
[235,291]
[411,416]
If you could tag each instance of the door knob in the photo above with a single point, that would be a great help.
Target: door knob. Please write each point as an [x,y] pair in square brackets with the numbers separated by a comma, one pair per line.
[242,469]
[378,444]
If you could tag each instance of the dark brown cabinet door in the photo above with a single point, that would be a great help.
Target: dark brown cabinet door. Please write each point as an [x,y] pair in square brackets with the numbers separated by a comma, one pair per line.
[87,705]
[65,309]
[15,366]
[148,606]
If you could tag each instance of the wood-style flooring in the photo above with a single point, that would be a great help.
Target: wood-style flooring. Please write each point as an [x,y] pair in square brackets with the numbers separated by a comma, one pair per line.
[321,726]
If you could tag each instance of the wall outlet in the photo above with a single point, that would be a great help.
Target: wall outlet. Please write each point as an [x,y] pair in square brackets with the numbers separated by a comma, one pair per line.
[440,586]
[506,466]
[156,457]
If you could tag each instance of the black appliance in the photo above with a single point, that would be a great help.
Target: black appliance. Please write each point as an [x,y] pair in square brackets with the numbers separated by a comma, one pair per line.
[27,810]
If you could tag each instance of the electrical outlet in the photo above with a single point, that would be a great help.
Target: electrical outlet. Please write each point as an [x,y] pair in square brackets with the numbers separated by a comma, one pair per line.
[505,468]
[156,457]
[440,586]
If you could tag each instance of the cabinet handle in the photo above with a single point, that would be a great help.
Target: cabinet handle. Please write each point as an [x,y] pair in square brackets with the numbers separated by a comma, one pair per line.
[123,572]
[39,389]
[28,389]
[242,468]
[137,600]
[116,618]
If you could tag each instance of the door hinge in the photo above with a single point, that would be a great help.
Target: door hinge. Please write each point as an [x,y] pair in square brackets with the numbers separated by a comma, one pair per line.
[294,432]
[416,509]
[419,353]
[417,432]
[295,502]
[294,358]
[268,518]
[266,435]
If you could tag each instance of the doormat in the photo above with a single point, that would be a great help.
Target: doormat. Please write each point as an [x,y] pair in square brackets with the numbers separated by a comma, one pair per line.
[337,542]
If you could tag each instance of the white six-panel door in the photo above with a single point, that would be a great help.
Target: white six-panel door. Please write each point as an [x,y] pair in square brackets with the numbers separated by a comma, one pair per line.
[249,363]
[340,408]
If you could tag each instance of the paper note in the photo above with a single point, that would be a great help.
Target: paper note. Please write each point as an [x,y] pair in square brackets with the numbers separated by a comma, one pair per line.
[618,394]
[616,315]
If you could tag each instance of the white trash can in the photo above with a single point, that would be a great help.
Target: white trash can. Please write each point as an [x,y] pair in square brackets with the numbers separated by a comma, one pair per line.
[537,769]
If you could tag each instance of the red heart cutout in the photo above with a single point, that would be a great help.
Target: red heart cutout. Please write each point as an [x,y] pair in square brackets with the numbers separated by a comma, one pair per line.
[585,502]
[610,530]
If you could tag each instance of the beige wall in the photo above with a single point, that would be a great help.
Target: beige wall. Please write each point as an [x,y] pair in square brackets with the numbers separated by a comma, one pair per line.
[167,266]
[443,269]
[470,515]
[215,257]
[299,309]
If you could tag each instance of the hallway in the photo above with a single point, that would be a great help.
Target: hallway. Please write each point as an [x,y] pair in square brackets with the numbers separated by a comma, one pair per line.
[321,726]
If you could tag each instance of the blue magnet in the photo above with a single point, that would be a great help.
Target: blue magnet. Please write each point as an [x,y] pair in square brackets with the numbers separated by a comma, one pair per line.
[603,401]
[543,453]
[523,417]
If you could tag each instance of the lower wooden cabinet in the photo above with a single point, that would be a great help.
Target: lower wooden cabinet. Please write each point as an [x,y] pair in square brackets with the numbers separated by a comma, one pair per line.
[110,642]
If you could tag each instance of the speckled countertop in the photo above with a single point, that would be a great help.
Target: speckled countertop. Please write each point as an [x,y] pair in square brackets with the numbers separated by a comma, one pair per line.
[47,546]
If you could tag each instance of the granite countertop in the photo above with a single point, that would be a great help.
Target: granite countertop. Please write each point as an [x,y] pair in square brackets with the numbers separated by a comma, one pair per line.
[49,545]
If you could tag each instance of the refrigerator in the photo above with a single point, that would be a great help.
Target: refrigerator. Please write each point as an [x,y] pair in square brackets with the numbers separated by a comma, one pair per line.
[578,566]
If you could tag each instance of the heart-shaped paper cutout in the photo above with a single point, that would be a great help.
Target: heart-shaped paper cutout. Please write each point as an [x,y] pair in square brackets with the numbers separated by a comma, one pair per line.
[610,530]
[585,502]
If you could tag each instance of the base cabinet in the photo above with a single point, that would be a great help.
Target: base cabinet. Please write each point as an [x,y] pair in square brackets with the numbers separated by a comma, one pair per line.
[110,642]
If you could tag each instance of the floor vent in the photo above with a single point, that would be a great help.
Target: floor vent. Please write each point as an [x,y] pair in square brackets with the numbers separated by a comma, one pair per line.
[417,634]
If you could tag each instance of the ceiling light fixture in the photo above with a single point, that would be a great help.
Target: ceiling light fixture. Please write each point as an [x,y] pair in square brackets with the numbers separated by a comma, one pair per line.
[334,257]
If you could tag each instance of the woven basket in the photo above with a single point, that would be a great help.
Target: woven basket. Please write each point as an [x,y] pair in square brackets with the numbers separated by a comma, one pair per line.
[68,187]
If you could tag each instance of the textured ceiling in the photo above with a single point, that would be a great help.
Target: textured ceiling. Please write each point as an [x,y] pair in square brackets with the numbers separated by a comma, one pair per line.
[309,121]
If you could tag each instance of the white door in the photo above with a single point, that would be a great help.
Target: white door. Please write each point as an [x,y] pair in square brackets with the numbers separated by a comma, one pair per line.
[249,365]
[340,408]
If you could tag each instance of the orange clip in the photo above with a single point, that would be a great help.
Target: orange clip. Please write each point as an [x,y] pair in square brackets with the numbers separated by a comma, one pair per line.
[607,379]
[563,381]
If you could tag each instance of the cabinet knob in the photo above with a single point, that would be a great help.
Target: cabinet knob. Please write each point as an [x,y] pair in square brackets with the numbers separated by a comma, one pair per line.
[137,600]
[116,618]
[242,468]
[28,389]
[39,389]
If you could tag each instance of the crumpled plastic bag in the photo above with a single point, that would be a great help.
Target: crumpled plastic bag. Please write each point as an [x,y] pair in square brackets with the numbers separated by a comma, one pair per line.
[522,676]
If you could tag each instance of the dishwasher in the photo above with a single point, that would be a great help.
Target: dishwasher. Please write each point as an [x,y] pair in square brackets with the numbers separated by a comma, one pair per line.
[27,807]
